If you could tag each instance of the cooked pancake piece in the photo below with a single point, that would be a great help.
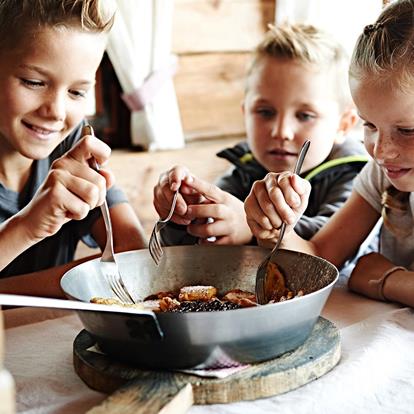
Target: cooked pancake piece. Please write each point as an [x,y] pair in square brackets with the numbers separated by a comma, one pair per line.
[203,293]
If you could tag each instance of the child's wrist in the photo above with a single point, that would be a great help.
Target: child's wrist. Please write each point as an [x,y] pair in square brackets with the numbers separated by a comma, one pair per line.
[389,283]
[20,227]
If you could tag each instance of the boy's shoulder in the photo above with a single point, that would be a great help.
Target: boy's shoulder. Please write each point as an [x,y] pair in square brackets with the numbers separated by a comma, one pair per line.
[351,145]
[350,155]
[240,155]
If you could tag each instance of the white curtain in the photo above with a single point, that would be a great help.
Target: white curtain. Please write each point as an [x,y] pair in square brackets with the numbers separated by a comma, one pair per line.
[139,48]
[345,19]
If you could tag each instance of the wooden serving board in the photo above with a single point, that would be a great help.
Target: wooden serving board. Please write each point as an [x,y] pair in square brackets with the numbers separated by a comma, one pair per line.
[145,391]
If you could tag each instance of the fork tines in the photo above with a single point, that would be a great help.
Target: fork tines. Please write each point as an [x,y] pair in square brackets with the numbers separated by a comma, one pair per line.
[111,273]
[155,247]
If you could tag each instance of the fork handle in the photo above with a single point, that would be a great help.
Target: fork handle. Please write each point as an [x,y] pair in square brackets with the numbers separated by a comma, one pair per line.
[108,226]
[109,247]
[279,239]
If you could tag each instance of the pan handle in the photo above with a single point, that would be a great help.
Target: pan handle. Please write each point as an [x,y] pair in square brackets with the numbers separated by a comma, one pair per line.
[149,317]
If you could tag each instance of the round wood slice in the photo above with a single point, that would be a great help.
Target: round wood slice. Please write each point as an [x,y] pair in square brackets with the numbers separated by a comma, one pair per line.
[150,391]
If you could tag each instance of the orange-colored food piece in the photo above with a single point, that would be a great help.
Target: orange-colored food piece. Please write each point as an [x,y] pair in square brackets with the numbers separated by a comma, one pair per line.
[203,293]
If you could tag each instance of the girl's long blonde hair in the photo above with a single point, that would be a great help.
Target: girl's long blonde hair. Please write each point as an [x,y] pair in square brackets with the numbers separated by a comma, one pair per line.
[385,49]
[395,202]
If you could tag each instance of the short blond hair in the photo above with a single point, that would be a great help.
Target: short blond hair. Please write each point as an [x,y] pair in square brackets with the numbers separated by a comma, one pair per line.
[385,49]
[308,45]
[18,18]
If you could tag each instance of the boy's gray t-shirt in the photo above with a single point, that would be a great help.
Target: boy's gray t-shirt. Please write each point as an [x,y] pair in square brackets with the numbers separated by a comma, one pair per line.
[60,248]
[370,184]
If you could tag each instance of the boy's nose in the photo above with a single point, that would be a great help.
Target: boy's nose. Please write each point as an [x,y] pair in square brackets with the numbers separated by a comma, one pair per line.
[282,130]
[54,106]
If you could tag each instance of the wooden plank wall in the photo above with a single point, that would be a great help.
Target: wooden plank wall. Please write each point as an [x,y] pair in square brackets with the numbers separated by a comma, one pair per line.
[213,40]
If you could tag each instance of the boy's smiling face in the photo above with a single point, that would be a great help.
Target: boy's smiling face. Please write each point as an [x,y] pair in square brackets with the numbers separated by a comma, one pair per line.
[43,84]
[286,103]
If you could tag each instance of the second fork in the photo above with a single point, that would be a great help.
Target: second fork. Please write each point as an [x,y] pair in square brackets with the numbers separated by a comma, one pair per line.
[155,244]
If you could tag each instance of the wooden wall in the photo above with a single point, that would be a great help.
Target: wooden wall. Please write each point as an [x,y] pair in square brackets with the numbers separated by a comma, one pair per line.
[213,40]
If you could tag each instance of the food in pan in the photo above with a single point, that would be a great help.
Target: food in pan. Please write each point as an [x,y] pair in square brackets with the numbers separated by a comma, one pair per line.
[117,302]
[202,298]
[275,283]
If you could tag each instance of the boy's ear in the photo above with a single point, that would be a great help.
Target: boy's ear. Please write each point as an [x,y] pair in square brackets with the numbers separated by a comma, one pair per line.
[348,120]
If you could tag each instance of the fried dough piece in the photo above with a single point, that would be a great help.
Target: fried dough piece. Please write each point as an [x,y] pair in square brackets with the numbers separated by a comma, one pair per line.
[275,282]
[240,297]
[152,305]
[106,301]
[116,302]
[167,304]
[203,293]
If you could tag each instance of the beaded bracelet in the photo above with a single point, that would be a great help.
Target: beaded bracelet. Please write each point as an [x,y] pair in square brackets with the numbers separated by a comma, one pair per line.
[379,283]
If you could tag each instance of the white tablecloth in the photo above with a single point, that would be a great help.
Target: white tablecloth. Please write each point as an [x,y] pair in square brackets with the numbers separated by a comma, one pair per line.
[375,374]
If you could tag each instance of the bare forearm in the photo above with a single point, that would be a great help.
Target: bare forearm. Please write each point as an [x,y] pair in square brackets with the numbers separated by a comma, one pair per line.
[399,287]
[43,283]
[13,240]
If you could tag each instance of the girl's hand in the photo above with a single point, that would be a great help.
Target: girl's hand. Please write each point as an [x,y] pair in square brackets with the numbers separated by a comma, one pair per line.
[279,197]
[71,189]
[219,218]
[178,177]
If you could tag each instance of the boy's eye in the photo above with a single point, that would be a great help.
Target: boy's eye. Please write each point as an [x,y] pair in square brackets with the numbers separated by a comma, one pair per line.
[406,131]
[369,126]
[32,83]
[305,116]
[78,93]
[265,112]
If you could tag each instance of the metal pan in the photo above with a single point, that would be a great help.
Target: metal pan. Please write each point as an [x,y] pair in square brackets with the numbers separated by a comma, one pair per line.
[203,339]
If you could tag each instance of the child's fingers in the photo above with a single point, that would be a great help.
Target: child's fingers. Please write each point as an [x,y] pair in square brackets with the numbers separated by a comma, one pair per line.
[87,148]
[289,193]
[163,198]
[259,232]
[206,229]
[68,169]
[301,186]
[253,210]
[176,175]
[283,182]
[205,211]
[76,208]
[108,176]
[89,192]
[208,190]
[267,205]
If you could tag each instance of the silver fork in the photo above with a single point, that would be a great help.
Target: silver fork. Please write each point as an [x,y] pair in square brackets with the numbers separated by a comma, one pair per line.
[261,274]
[109,266]
[154,246]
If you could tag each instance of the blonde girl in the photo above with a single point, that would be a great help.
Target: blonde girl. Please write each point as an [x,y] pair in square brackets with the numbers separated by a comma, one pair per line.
[381,80]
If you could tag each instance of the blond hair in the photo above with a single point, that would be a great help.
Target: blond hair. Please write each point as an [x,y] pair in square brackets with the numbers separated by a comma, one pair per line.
[384,51]
[19,18]
[307,45]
